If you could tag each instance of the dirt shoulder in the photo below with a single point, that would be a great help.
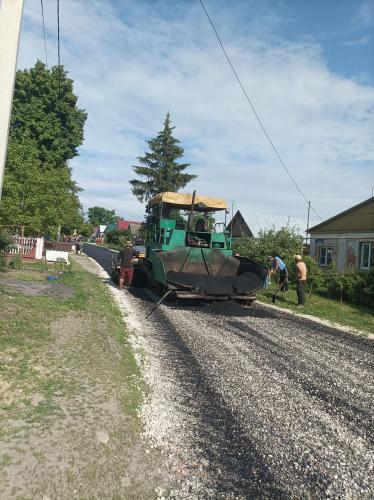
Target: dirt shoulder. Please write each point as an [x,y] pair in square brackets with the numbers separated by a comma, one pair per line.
[70,391]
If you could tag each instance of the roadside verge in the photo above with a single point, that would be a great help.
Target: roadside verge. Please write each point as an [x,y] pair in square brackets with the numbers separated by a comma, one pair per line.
[70,391]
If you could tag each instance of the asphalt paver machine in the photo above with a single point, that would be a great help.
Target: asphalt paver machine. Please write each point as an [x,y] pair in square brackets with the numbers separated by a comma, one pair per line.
[191,257]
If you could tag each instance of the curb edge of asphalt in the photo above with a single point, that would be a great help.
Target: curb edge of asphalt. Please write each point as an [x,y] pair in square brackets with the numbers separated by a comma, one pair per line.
[321,321]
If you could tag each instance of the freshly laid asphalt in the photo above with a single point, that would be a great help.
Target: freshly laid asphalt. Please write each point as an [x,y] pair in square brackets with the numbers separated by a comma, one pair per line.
[267,404]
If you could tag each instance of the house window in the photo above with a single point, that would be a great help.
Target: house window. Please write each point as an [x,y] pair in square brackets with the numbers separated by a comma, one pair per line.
[325,256]
[367,255]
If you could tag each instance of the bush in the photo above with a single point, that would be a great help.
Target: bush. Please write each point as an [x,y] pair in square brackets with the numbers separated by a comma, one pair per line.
[356,287]
[285,242]
[15,262]
[2,262]
[5,245]
[315,277]
[5,242]
[118,237]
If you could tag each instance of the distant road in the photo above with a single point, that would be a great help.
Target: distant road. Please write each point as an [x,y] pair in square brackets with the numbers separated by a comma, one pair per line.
[101,254]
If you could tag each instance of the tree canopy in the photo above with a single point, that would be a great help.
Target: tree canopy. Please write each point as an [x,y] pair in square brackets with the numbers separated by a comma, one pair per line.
[45,130]
[159,169]
[285,242]
[100,215]
[45,111]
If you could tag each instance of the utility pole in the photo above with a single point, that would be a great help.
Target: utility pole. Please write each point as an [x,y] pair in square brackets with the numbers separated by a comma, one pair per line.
[307,223]
[10,25]
[232,223]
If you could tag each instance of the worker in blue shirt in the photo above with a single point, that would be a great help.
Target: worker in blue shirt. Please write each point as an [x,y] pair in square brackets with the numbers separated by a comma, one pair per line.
[277,265]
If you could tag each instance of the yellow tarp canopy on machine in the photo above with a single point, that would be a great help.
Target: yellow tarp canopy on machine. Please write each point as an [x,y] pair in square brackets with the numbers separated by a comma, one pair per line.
[183,201]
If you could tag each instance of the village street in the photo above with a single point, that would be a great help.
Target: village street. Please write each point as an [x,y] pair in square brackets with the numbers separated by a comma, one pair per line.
[260,404]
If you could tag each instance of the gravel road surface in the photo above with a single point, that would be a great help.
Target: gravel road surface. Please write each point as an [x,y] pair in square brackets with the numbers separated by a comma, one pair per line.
[259,404]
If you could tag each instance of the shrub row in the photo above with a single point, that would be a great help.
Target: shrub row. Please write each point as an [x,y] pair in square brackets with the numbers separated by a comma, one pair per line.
[356,287]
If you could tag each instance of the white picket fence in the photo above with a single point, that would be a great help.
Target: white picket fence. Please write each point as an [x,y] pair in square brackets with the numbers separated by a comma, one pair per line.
[27,247]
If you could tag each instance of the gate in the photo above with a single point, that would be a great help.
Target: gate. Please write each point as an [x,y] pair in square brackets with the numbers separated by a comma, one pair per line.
[27,247]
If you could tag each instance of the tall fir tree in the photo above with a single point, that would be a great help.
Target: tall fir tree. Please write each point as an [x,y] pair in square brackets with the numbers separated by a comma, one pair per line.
[159,168]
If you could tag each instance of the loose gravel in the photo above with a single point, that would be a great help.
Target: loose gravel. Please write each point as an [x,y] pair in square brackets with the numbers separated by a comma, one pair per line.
[255,405]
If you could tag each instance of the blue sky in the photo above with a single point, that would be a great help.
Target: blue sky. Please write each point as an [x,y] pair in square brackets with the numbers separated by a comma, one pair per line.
[307,66]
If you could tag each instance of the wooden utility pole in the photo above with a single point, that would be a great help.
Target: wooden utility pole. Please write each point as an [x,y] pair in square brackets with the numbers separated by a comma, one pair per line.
[10,25]
[307,222]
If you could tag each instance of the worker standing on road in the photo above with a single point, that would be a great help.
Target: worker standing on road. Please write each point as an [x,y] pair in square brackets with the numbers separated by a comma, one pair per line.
[78,247]
[125,259]
[301,274]
[277,265]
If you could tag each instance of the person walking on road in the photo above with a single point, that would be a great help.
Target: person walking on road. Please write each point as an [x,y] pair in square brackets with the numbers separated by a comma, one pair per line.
[125,259]
[277,265]
[301,275]
[78,247]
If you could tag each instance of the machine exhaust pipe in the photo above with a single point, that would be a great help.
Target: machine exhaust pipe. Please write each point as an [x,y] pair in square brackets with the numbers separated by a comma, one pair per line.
[190,217]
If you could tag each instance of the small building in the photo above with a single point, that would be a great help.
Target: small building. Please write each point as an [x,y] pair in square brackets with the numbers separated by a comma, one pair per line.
[239,227]
[124,225]
[99,230]
[133,226]
[110,227]
[346,239]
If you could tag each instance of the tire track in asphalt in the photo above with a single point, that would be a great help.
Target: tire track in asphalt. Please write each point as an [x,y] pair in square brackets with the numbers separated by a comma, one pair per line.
[305,375]
[334,449]
[243,471]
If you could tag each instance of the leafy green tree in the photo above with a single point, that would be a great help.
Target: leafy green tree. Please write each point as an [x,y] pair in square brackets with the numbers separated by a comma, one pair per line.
[45,130]
[285,242]
[159,168]
[45,111]
[86,229]
[100,215]
[118,237]
[39,198]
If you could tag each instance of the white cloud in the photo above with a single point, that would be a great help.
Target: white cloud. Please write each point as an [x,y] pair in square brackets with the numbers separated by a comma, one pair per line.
[364,17]
[364,40]
[131,67]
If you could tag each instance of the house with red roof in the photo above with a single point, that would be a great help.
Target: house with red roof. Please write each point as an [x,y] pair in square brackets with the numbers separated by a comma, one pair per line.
[124,225]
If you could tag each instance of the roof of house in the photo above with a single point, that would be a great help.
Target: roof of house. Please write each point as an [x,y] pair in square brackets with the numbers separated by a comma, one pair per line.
[110,227]
[124,224]
[239,226]
[357,218]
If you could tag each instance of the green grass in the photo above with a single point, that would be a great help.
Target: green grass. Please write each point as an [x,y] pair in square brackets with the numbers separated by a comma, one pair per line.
[25,329]
[355,316]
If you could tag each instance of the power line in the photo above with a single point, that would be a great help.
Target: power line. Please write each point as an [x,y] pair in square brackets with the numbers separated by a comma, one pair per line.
[45,43]
[255,112]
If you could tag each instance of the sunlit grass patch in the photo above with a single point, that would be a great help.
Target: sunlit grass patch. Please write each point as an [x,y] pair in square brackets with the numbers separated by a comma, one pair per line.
[359,317]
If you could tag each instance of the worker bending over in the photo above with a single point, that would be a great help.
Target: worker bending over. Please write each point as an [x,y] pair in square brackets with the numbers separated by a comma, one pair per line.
[277,265]
[125,260]
[301,274]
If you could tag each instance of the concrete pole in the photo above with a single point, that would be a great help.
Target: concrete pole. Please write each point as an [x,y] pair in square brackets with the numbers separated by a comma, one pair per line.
[10,25]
